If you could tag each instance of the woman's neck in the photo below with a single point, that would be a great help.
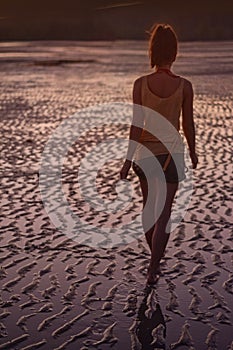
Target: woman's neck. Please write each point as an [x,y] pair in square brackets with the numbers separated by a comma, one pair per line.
[165,69]
[165,66]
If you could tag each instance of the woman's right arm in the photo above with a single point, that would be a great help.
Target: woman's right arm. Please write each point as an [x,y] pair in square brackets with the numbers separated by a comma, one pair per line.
[135,128]
[137,120]
[188,122]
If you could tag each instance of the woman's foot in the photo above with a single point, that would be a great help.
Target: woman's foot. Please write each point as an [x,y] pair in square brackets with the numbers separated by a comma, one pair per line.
[155,271]
[153,275]
[152,280]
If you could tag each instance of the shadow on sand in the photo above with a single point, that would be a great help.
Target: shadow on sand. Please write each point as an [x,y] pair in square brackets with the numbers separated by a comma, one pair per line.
[151,329]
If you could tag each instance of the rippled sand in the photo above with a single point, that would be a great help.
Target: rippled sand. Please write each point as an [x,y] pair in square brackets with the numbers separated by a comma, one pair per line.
[63,293]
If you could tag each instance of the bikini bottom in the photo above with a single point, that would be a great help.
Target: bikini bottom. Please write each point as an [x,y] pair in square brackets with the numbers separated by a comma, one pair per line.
[148,168]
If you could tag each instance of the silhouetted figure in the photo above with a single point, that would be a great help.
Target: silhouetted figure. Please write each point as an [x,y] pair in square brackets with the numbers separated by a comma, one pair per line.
[158,100]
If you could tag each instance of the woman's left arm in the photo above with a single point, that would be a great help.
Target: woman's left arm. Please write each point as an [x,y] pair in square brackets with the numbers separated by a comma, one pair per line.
[135,128]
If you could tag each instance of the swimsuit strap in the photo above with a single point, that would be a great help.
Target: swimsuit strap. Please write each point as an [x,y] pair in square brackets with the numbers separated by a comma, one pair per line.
[167,161]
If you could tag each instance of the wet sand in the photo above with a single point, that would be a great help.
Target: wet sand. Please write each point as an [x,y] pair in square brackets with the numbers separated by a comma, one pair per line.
[59,293]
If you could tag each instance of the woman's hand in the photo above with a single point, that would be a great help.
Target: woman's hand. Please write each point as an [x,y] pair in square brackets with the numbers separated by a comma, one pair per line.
[194,159]
[125,169]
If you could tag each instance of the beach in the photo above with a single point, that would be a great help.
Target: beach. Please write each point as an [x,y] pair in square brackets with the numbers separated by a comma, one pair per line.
[60,291]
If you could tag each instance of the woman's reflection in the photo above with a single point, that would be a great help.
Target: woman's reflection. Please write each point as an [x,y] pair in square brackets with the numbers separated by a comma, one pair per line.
[151,327]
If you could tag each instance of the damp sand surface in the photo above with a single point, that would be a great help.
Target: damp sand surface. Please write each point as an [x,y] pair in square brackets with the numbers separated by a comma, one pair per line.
[64,292]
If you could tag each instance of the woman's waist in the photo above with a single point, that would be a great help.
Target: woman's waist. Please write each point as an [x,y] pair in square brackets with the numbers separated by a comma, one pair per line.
[146,148]
[169,144]
[160,135]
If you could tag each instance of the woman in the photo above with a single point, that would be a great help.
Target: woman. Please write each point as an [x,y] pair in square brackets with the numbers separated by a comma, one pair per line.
[167,95]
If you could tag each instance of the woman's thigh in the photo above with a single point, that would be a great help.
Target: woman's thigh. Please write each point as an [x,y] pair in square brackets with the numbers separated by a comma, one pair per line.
[163,210]
[158,196]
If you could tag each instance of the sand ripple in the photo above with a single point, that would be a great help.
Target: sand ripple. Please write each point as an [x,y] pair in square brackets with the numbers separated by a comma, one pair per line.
[58,293]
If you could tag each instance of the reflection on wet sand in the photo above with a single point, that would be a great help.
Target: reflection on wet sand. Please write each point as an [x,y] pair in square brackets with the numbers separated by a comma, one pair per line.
[151,327]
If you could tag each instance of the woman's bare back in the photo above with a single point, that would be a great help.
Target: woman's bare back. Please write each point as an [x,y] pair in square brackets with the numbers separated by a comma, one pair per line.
[162,84]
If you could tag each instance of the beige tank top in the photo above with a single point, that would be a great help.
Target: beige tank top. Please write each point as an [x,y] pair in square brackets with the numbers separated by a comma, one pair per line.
[168,109]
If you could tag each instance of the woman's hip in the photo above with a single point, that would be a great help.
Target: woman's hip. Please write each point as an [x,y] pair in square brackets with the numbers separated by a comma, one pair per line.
[150,167]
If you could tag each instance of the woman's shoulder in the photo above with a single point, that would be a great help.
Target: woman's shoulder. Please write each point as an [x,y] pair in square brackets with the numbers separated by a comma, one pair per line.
[187,83]
[137,87]
[138,81]
[187,88]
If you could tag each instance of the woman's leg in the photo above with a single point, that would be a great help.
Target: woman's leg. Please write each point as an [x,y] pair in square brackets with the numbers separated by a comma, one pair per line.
[148,212]
[160,236]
